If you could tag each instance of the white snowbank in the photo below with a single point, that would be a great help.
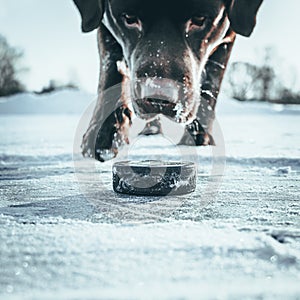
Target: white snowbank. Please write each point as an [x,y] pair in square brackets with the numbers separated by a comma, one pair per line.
[226,106]
[66,101]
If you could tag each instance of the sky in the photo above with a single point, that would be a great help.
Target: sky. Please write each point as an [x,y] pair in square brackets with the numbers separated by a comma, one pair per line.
[55,48]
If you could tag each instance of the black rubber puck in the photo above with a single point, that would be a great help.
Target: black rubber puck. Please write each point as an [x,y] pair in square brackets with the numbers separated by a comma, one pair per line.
[154,177]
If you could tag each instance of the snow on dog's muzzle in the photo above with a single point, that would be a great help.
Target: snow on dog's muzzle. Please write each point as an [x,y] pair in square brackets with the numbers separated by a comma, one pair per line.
[153,96]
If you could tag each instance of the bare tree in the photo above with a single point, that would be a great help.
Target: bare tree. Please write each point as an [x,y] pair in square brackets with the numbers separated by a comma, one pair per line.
[242,80]
[9,61]
[263,82]
[266,75]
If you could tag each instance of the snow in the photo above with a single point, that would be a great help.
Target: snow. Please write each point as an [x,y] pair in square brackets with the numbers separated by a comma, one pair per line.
[64,234]
[60,102]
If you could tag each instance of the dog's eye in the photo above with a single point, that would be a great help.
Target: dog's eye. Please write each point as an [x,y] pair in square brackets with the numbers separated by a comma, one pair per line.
[197,23]
[132,21]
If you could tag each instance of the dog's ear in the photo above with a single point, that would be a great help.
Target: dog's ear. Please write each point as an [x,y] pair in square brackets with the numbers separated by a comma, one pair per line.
[242,15]
[91,12]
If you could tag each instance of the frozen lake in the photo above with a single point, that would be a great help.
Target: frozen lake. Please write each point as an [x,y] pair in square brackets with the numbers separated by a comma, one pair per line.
[64,234]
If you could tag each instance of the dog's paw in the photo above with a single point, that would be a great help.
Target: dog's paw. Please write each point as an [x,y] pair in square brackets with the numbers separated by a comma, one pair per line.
[195,135]
[103,140]
[152,128]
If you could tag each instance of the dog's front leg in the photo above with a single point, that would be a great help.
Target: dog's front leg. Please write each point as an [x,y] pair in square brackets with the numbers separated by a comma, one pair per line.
[199,132]
[111,117]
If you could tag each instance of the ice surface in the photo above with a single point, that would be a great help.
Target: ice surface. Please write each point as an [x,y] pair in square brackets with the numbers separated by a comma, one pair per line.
[60,239]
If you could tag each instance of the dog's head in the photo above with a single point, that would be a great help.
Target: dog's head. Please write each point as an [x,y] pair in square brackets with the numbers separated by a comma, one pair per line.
[166,44]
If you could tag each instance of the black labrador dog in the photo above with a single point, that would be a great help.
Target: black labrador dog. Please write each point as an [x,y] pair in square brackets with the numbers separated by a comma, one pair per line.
[168,57]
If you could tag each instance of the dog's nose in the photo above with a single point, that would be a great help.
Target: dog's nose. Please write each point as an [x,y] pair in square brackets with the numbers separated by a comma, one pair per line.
[157,88]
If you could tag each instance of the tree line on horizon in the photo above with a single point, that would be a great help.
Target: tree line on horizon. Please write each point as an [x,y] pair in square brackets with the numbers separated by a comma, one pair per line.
[11,69]
[262,82]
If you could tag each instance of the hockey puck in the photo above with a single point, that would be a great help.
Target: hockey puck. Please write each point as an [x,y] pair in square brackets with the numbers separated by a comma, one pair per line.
[154,177]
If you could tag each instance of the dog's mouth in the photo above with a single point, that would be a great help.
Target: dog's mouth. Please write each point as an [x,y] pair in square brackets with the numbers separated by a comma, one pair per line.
[147,108]
[162,96]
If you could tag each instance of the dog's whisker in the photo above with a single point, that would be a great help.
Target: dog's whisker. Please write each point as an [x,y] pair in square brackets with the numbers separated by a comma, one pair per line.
[218,64]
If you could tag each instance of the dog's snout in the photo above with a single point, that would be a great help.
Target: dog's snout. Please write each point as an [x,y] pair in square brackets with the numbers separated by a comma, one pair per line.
[157,89]
[164,66]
